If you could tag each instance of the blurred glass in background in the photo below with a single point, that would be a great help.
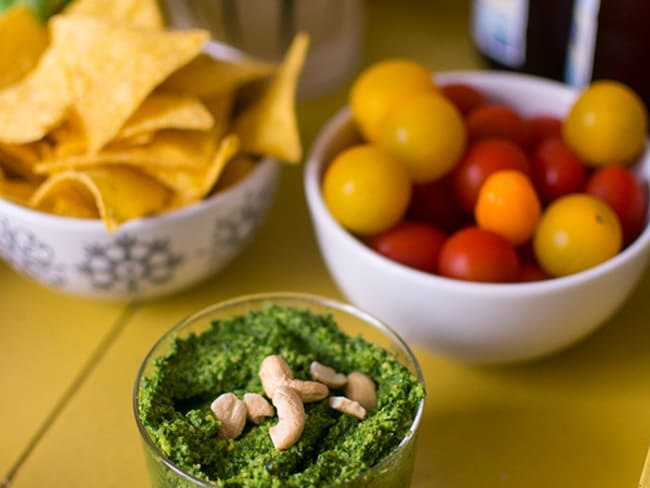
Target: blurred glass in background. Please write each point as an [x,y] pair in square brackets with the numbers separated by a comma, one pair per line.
[264,28]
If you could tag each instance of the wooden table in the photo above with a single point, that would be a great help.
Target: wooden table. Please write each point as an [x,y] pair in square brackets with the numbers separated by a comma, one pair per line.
[580,418]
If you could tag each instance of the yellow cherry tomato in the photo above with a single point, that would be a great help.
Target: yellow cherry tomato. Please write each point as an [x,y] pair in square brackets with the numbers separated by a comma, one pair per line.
[607,124]
[576,232]
[427,132]
[366,189]
[508,205]
[380,86]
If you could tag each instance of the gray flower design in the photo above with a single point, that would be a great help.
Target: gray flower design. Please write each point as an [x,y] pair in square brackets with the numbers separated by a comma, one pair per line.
[231,231]
[25,252]
[127,263]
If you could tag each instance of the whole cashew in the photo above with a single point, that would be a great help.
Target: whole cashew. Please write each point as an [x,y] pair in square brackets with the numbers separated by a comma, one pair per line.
[291,417]
[258,408]
[361,389]
[231,412]
[275,372]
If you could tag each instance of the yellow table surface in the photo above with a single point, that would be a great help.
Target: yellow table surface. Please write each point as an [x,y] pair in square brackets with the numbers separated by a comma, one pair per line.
[580,418]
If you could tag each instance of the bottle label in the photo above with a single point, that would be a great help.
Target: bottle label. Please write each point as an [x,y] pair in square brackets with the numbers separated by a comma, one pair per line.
[499,30]
[582,43]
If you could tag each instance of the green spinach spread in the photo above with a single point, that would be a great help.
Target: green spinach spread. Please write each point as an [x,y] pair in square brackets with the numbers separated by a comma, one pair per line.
[174,402]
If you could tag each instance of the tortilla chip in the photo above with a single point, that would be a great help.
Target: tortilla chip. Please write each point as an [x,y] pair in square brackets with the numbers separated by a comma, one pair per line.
[268,125]
[31,107]
[22,41]
[234,172]
[192,185]
[112,68]
[167,111]
[137,13]
[19,160]
[119,194]
[169,149]
[206,77]
[17,191]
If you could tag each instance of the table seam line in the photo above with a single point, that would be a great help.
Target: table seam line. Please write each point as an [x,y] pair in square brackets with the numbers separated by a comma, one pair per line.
[90,364]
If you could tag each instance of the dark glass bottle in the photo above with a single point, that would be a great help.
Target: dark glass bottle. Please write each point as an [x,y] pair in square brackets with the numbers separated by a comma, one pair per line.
[574,41]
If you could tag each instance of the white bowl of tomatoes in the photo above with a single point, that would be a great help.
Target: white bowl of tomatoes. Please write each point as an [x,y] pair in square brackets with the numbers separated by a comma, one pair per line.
[440,273]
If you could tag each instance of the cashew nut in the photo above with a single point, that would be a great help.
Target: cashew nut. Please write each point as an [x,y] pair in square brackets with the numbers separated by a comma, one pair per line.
[257,408]
[326,375]
[275,372]
[361,389]
[231,412]
[345,405]
[291,417]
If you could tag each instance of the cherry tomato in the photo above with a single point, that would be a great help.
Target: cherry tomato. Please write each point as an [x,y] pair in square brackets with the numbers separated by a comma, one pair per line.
[542,127]
[531,271]
[435,204]
[625,193]
[481,159]
[607,124]
[382,85]
[508,205]
[366,189]
[413,244]
[576,232]
[494,120]
[427,132]
[475,254]
[465,97]
[557,170]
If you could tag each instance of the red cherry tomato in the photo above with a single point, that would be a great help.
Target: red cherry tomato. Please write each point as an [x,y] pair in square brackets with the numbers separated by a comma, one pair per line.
[542,127]
[475,254]
[413,244]
[465,97]
[557,170]
[435,204]
[531,271]
[481,159]
[494,120]
[625,194]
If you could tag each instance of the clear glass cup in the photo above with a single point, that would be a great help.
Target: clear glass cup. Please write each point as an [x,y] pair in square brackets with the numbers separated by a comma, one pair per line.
[394,471]
[265,28]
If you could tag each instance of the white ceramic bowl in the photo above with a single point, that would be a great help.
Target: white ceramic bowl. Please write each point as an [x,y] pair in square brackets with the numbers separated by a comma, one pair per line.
[144,258]
[473,322]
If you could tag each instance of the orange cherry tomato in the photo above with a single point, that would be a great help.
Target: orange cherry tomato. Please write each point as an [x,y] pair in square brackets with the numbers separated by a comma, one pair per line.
[481,159]
[508,205]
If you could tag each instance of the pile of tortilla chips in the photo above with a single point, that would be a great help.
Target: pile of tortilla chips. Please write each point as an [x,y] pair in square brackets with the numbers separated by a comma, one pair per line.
[105,113]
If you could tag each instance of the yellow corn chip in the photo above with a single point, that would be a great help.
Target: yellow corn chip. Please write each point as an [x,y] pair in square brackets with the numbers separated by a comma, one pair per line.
[192,185]
[31,107]
[168,149]
[119,193]
[68,138]
[19,160]
[234,172]
[268,125]
[22,41]
[167,111]
[112,68]
[205,76]
[138,13]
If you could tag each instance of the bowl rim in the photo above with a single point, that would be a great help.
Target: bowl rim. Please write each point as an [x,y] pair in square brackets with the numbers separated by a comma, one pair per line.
[257,298]
[342,121]
[24,213]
